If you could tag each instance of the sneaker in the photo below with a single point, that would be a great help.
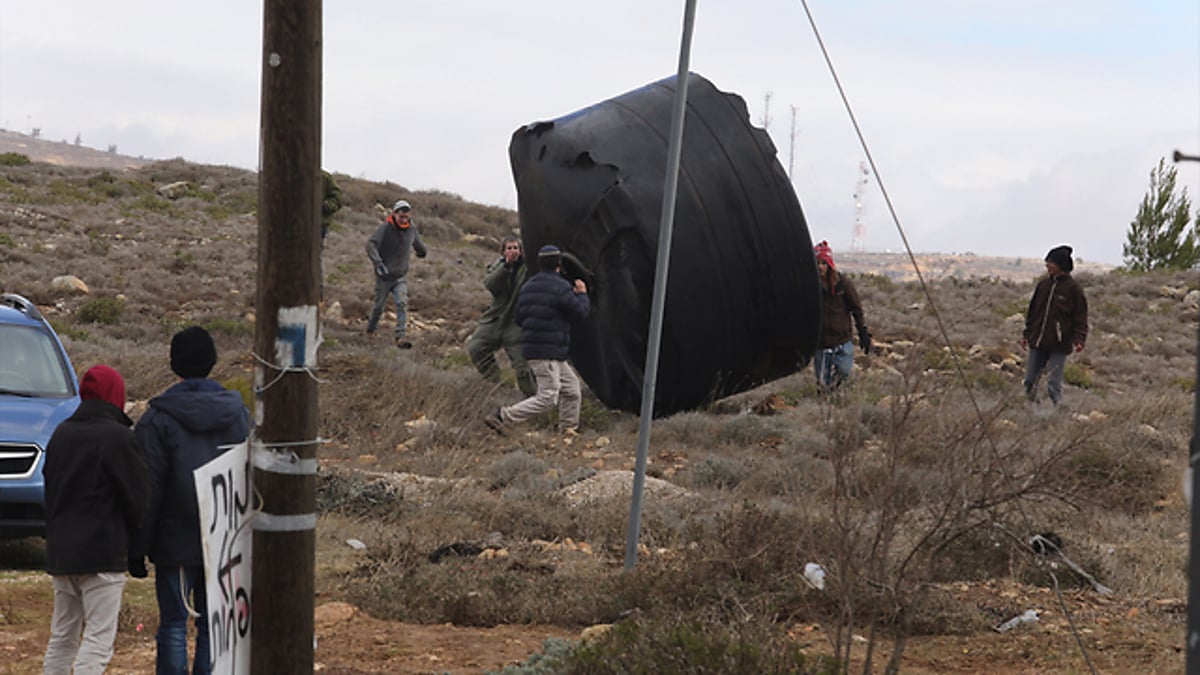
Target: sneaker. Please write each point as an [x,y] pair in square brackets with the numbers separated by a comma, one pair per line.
[494,421]
[403,344]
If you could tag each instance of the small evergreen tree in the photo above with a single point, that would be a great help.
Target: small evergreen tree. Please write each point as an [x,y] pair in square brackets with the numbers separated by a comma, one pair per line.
[1162,235]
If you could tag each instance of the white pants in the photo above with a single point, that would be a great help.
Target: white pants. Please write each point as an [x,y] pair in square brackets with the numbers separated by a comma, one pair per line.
[86,604]
[557,384]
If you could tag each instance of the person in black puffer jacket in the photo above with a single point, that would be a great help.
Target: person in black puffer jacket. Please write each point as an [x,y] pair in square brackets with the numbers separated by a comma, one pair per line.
[546,306]
[96,495]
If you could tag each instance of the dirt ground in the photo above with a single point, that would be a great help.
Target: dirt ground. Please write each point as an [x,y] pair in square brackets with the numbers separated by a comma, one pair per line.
[1120,635]
[348,640]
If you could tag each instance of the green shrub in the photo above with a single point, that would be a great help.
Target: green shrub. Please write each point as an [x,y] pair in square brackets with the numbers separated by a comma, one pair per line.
[147,202]
[1185,384]
[6,240]
[182,261]
[1078,375]
[13,159]
[1008,309]
[242,386]
[1116,478]
[716,471]
[103,311]
[593,415]
[233,327]
[551,660]
[69,331]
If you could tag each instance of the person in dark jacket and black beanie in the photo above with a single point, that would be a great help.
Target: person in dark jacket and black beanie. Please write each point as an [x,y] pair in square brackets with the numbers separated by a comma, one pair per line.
[546,306]
[834,360]
[185,427]
[96,495]
[1056,324]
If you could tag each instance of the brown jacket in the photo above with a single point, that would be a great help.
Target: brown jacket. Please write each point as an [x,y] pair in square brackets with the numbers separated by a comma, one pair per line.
[1057,318]
[837,309]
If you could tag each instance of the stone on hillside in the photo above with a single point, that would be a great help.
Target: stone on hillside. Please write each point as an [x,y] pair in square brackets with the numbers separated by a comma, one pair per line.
[1176,292]
[174,190]
[332,613]
[335,313]
[1192,299]
[69,283]
[596,632]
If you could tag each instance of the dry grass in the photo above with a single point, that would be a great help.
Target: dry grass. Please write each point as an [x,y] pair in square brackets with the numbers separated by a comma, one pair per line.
[928,469]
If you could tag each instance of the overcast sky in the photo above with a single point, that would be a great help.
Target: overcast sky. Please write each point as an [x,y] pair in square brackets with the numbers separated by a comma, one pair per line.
[998,127]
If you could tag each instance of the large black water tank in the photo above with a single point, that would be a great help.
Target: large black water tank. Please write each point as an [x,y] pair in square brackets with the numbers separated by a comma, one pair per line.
[742,295]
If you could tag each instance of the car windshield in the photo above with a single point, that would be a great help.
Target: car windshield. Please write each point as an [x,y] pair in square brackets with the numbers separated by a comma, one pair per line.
[30,363]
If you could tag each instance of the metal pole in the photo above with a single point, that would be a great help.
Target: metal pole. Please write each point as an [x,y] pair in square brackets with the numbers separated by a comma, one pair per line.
[792,147]
[663,261]
[1193,624]
[284,447]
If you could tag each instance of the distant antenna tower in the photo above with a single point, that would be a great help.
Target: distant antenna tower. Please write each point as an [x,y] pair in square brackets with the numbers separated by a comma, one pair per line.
[860,192]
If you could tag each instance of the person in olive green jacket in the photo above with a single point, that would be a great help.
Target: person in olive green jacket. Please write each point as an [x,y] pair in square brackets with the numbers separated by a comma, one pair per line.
[331,203]
[497,329]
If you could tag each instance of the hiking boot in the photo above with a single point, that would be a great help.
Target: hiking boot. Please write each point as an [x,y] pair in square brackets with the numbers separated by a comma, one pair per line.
[495,421]
[403,343]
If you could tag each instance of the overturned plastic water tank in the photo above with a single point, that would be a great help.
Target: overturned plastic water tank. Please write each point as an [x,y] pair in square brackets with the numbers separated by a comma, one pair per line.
[742,302]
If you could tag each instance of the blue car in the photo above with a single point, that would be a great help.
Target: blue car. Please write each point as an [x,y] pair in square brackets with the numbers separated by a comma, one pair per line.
[38,389]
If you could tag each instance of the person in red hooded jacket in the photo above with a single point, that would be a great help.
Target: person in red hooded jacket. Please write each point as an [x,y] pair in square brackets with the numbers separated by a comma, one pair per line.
[840,306]
[97,491]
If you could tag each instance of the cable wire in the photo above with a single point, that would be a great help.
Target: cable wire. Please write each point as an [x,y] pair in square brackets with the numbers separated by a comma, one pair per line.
[958,367]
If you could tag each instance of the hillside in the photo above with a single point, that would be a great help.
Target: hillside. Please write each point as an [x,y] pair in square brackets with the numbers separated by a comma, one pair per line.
[917,488]
[62,153]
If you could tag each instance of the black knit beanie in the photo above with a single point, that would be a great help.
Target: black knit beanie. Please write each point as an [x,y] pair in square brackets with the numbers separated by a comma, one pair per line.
[1061,256]
[193,353]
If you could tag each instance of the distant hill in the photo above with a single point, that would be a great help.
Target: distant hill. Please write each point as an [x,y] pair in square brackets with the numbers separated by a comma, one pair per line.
[895,266]
[66,154]
[938,266]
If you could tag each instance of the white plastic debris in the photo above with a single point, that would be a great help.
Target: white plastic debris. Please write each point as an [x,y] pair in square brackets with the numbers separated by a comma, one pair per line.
[1030,616]
[355,544]
[814,576]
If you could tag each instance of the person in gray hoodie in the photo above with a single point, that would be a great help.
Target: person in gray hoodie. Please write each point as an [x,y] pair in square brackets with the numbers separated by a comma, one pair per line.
[185,427]
[388,248]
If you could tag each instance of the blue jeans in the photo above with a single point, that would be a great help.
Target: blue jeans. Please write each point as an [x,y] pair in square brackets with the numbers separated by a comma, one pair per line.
[833,366]
[398,290]
[1053,363]
[176,587]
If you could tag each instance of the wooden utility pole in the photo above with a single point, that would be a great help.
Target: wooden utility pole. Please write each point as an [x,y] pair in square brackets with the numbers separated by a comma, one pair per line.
[284,450]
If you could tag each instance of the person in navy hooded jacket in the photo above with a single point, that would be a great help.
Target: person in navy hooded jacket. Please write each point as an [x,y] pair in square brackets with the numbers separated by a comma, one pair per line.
[185,427]
[546,307]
